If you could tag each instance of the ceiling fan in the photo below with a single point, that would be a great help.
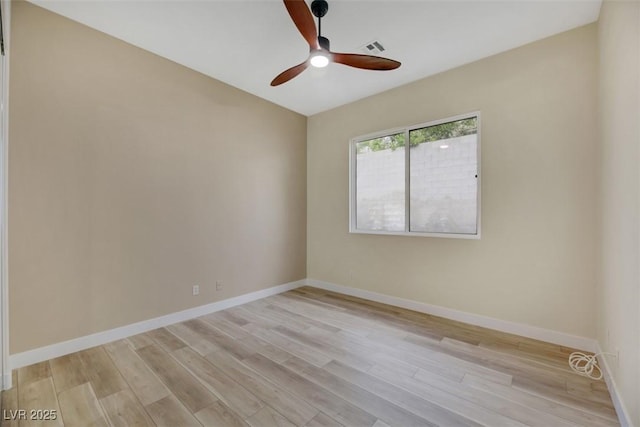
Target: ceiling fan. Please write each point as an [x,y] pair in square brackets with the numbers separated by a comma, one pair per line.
[320,54]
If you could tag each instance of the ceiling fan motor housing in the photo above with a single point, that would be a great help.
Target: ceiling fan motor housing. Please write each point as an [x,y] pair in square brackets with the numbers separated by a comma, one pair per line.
[324,43]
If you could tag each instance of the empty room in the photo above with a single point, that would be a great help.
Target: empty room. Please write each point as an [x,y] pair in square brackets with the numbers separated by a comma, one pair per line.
[320,213]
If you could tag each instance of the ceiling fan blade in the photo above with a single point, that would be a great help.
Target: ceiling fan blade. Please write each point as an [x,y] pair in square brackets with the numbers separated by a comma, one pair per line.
[301,16]
[287,75]
[367,62]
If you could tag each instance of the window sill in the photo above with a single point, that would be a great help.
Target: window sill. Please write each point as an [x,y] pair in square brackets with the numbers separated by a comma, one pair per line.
[418,234]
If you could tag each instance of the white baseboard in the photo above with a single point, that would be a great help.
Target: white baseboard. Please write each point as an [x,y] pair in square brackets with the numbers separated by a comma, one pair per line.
[41,354]
[534,332]
[67,347]
[621,409]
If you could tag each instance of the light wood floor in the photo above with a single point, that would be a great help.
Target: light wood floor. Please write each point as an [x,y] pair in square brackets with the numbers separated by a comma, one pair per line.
[314,358]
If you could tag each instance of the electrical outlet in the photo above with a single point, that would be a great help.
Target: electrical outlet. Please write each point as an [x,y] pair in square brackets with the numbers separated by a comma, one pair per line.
[218,285]
[196,290]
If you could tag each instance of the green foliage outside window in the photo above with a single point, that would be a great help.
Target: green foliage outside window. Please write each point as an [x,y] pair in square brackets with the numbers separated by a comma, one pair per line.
[418,136]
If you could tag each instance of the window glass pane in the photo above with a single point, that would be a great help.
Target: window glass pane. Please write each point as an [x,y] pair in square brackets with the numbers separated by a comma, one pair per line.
[380,178]
[443,183]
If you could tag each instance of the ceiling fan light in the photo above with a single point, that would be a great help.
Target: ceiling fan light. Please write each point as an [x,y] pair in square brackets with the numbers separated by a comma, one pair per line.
[319,59]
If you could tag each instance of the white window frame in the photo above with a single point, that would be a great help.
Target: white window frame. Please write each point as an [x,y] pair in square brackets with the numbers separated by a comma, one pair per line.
[406,129]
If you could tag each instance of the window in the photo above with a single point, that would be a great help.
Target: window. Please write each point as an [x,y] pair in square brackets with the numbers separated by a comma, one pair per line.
[430,188]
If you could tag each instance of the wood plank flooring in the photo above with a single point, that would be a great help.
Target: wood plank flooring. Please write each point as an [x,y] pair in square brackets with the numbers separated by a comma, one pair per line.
[310,357]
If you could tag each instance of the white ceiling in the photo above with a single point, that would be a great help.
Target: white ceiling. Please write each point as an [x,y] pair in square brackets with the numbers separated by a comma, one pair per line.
[247,43]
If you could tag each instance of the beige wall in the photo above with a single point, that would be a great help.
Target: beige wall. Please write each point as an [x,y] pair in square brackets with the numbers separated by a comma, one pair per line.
[619,102]
[536,261]
[133,178]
